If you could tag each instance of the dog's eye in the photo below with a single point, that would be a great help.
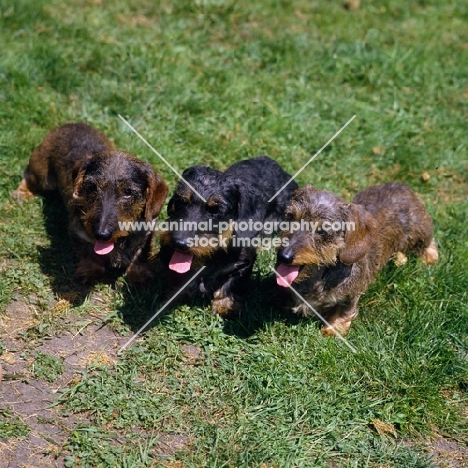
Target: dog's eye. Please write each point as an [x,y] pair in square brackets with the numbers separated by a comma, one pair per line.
[128,193]
[213,209]
[89,187]
[180,204]
[181,201]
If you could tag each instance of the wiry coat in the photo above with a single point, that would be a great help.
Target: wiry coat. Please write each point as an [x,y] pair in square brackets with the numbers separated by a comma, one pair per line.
[100,187]
[332,268]
[240,194]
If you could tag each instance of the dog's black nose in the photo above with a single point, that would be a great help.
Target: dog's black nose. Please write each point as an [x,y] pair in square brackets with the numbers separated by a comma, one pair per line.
[102,234]
[285,256]
[180,244]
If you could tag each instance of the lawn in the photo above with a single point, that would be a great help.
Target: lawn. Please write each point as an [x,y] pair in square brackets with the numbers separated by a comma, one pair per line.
[213,82]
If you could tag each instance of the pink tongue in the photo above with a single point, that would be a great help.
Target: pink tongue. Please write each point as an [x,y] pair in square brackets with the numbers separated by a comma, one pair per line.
[103,248]
[287,273]
[181,262]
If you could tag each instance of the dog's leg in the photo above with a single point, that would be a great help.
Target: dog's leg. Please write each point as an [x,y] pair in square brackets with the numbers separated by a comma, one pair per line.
[228,299]
[138,272]
[226,303]
[22,193]
[339,318]
[37,177]
[91,267]
[89,270]
[31,183]
[431,254]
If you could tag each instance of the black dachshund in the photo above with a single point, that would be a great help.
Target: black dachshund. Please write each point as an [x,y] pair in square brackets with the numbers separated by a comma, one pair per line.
[218,220]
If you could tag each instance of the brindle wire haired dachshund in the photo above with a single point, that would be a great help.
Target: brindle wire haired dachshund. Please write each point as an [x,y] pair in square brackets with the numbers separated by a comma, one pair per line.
[100,187]
[332,268]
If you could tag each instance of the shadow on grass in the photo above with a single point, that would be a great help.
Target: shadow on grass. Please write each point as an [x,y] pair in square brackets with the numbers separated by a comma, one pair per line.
[141,302]
[264,304]
[58,261]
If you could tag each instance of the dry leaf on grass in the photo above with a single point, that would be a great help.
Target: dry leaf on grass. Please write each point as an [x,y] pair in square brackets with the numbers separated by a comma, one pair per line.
[8,357]
[425,176]
[378,149]
[98,359]
[352,4]
[384,428]
[61,306]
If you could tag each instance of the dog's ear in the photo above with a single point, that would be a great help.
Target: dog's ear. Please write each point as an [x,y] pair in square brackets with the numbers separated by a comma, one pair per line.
[156,194]
[248,205]
[78,173]
[82,167]
[358,237]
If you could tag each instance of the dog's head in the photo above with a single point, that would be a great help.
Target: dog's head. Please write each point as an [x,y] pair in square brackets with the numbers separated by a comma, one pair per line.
[198,227]
[324,229]
[115,187]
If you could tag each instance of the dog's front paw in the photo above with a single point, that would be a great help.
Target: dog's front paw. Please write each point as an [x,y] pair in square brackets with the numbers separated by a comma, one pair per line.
[227,307]
[138,273]
[431,254]
[88,272]
[340,326]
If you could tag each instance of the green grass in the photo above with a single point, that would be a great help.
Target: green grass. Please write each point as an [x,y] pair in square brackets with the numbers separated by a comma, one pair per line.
[12,427]
[47,367]
[213,82]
